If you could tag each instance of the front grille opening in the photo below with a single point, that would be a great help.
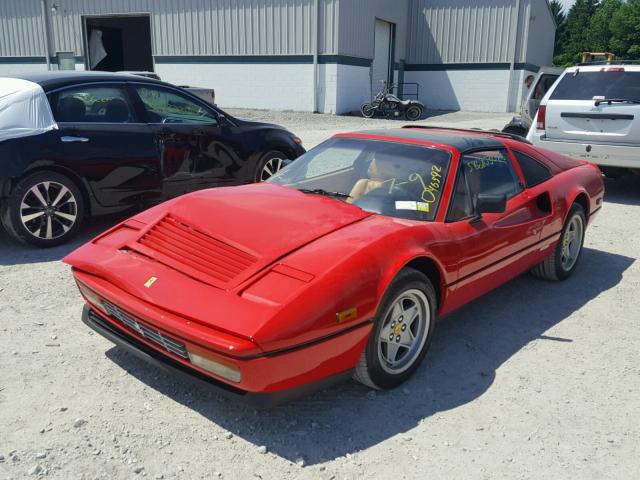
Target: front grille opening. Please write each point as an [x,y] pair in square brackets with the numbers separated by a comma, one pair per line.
[169,344]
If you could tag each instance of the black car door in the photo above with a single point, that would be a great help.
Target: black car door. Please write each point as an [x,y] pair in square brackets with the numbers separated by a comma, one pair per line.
[197,150]
[101,138]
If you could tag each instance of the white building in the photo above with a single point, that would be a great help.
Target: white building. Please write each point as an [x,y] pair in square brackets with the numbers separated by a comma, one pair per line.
[313,55]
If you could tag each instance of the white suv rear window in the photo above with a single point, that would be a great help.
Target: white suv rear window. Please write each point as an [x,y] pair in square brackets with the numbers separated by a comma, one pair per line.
[586,85]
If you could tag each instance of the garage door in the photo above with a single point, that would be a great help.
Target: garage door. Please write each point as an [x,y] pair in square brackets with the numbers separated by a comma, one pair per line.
[380,70]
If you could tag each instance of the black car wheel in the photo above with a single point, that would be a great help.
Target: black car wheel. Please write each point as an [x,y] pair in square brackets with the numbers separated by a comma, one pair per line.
[414,112]
[402,332]
[269,164]
[44,209]
[564,259]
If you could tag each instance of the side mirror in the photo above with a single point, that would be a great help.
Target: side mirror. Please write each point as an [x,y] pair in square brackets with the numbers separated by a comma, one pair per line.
[490,203]
[222,120]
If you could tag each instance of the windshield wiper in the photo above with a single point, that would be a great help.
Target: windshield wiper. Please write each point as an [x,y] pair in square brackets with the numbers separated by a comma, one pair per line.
[320,191]
[616,100]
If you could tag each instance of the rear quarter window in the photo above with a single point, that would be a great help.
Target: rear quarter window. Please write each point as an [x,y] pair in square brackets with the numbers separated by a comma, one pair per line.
[533,171]
[586,85]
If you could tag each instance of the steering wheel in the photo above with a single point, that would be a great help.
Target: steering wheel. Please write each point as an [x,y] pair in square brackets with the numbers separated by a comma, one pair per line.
[382,200]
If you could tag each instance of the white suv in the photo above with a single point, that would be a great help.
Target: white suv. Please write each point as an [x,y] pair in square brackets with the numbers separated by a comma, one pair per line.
[593,113]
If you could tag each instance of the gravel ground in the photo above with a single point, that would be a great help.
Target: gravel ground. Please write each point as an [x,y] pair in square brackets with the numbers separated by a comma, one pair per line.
[535,380]
[314,128]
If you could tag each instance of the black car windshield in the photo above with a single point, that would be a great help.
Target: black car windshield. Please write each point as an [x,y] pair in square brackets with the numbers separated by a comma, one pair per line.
[389,178]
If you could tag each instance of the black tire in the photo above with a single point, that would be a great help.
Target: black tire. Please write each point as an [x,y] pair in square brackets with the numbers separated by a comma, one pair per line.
[272,161]
[36,230]
[555,268]
[515,131]
[367,110]
[414,112]
[370,370]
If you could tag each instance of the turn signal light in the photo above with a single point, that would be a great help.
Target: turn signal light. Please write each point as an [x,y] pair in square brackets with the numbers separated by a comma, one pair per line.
[217,366]
[297,140]
[92,297]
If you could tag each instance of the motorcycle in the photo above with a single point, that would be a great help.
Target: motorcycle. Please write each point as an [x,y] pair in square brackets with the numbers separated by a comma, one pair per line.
[387,104]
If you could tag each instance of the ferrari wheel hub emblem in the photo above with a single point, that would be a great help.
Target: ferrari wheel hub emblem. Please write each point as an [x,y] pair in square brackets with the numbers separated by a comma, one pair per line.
[150,282]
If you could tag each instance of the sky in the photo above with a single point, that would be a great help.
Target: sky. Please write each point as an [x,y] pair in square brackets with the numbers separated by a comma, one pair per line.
[567,4]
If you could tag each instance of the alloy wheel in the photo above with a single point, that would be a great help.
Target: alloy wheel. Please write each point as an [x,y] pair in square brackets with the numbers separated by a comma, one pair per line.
[270,168]
[404,331]
[48,210]
[572,242]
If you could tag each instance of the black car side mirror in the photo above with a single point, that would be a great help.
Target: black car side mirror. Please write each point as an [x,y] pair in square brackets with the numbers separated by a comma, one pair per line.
[222,120]
[489,203]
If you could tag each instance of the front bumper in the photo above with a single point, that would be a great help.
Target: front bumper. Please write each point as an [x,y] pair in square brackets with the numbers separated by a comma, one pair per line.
[154,357]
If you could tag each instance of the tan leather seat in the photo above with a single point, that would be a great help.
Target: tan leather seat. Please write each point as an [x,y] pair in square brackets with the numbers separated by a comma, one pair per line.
[382,169]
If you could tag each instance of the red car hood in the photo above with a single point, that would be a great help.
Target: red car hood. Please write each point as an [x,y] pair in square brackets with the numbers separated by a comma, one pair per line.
[225,236]
[205,244]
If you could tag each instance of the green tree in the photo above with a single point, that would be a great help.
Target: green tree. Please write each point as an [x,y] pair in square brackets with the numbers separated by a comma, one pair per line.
[560,18]
[578,33]
[600,25]
[625,30]
[558,12]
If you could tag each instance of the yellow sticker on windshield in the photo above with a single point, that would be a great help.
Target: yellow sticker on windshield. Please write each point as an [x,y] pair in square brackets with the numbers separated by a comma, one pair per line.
[422,206]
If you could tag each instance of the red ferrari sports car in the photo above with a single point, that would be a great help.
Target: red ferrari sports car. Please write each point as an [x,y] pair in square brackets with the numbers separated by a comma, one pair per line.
[340,264]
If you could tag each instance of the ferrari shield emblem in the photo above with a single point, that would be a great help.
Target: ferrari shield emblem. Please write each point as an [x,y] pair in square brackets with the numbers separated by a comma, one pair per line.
[150,282]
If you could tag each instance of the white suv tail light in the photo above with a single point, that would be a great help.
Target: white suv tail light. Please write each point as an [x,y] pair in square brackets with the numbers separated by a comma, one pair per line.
[541,120]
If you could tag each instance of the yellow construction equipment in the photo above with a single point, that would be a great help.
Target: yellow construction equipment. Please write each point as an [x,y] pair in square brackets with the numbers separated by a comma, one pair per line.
[598,57]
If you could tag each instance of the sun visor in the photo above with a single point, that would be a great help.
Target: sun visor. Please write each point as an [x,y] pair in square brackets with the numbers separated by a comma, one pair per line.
[24,109]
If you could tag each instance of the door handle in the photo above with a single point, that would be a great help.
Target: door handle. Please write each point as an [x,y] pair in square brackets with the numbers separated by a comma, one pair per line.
[70,139]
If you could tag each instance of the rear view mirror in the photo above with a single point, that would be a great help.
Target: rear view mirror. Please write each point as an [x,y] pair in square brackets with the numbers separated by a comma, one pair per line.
[490,203]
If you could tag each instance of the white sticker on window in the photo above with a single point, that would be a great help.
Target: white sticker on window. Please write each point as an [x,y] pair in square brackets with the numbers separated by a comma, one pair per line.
[404,205]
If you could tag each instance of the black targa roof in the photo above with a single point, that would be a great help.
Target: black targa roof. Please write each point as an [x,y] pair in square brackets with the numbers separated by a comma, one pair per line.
[461,141]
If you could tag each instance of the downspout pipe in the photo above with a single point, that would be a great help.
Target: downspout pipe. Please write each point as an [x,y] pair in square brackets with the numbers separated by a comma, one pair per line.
[316,42]
[514,57]
[45,23]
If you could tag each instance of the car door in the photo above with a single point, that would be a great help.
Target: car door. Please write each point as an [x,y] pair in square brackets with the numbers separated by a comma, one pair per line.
[492,248]
[542,85]
[102,139]
[196,148]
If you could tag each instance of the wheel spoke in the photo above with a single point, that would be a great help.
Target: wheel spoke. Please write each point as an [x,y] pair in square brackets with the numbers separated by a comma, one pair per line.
[396,311]
[66,216]
[392,352]
[63,191]
[406,340]
[65,227]
[49,234]
[31,216]
[411,314]
[36,191]
[385,332]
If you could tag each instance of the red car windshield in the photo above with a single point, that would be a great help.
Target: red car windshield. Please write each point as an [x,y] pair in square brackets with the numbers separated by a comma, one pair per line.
[384,177]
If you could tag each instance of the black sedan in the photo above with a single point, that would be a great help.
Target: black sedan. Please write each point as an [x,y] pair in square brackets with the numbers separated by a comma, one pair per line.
[123,142]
